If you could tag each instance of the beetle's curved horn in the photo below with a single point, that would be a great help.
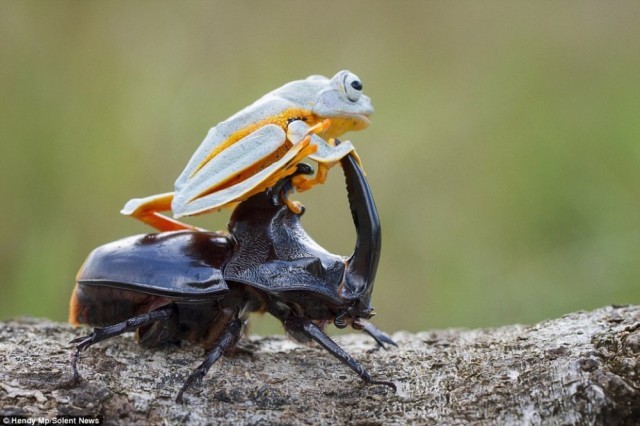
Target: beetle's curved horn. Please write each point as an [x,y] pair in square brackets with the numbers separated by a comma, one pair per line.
[363,263]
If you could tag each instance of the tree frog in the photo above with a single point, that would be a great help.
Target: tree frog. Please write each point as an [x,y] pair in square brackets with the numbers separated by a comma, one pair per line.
[254,148]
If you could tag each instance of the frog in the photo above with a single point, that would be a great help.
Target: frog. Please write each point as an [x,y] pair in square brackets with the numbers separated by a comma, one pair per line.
[259,145]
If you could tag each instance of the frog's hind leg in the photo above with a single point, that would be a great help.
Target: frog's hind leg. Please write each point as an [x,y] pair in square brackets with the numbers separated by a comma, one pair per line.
[147,210]
[251,185]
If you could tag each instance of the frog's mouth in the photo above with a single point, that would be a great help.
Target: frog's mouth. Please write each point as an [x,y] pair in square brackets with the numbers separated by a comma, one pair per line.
[363,121]
[346,123]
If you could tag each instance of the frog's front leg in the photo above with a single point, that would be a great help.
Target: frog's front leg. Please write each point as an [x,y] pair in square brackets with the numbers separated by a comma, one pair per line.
[328,153]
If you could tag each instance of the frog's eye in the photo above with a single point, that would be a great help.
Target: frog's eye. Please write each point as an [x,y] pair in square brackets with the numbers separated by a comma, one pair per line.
[352,87]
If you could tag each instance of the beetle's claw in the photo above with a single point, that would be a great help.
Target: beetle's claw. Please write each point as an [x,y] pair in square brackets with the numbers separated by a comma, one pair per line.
[284,186]
[303,169]
[378,335]
[281,190]
[83,342]
[74,367]
[193,379]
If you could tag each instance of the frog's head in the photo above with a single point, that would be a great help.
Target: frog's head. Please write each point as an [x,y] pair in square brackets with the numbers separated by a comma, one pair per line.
[339,98]
[342,100]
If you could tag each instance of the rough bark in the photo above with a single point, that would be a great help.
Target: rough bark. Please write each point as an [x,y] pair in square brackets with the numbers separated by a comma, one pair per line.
[583,368]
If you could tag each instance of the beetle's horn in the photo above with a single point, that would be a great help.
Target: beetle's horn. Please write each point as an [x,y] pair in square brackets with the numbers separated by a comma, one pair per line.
[363,263]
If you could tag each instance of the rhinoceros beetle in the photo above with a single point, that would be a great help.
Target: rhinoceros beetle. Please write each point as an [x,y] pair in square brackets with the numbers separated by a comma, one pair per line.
[200,286]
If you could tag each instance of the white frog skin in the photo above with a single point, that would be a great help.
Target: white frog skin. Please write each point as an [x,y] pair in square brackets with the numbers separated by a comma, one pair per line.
[250,151]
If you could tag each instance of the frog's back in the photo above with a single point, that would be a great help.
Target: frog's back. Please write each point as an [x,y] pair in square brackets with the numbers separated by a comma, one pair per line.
[293,100]
[261,111]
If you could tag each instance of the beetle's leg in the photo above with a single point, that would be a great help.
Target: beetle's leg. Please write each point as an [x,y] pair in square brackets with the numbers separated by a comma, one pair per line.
[103,333]
[305,327]
[227,340]
[378,335]
[146,210]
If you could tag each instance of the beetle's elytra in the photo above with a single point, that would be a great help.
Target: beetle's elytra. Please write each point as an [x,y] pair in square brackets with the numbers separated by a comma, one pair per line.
[200,286]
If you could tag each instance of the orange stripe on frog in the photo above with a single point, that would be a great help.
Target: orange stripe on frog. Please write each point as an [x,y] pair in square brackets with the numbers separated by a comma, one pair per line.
[283,119]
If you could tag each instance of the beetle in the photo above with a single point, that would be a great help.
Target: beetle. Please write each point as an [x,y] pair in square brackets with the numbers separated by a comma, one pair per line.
[256,147]
[200,286]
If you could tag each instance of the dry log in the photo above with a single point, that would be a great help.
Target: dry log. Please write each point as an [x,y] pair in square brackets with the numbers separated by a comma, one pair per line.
[583,368]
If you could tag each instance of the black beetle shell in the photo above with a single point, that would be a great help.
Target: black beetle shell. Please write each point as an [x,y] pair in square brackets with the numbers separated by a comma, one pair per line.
[275,254]
[181,264]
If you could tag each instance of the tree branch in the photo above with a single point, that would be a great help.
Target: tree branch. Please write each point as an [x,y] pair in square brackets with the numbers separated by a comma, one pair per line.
[581,368]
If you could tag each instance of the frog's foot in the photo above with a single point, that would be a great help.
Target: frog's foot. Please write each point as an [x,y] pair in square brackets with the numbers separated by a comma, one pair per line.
[334,150]
[294,207]
[299,131]
[302,183]
[148,211]
[284,187]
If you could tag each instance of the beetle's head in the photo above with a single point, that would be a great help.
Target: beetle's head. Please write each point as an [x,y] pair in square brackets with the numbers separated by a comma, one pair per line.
[359,298]
[353,314]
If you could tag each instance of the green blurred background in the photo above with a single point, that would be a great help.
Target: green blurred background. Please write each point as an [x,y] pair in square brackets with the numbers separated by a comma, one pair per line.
[504,152]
